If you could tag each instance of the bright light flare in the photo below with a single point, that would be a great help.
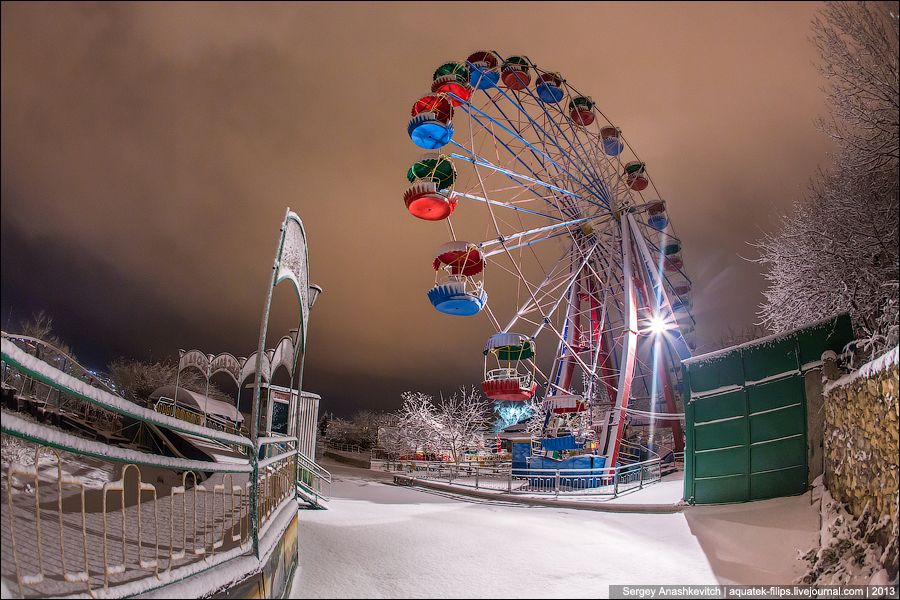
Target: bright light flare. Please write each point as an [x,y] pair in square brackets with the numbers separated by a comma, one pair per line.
[658,325]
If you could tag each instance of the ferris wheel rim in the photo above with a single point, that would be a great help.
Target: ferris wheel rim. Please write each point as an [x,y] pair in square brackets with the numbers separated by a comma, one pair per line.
[559,170]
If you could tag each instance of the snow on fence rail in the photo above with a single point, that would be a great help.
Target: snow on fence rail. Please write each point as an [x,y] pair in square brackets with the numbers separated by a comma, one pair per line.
[114,521]
[504,478]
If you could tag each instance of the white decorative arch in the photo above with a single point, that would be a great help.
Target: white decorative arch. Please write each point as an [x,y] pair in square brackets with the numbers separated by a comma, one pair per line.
[226,363]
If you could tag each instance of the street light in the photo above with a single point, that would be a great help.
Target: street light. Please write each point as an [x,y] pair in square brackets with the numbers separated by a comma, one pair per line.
[314,291]
[181,352]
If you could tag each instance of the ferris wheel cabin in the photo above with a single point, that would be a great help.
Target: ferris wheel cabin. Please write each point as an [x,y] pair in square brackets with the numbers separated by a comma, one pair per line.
[429,196]
[453,78]
[515,73]
[431,127]
[457,290]
[483,70]
[511,380]
[549,88]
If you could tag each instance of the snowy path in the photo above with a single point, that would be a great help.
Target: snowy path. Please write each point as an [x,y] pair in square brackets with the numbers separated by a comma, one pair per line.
[377,540]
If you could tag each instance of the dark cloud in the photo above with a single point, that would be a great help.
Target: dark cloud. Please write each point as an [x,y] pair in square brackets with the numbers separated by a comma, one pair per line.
[149,151]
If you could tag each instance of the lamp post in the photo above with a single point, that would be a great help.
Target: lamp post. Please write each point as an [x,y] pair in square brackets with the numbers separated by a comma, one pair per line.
[209,358]
[177,377]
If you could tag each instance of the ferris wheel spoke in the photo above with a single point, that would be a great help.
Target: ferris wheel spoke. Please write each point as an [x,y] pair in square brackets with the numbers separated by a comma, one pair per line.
[515,236]
[515,134]
[517,177]
[508,206]
[569,151]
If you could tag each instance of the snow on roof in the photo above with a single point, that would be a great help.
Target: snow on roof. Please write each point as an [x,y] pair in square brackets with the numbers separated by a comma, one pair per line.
[764,341]
[199,402]
[885,361]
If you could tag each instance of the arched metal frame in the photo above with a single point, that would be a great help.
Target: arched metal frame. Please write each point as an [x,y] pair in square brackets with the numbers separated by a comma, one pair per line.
[291,263]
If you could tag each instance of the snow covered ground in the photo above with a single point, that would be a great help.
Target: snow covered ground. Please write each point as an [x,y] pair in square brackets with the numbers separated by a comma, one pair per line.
[379,540]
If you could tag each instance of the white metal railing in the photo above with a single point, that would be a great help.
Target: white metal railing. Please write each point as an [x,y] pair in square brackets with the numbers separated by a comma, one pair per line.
[598,482]
[511,374]
[351,448]
[313,480]
[99,539]
[137,521]
[166,406]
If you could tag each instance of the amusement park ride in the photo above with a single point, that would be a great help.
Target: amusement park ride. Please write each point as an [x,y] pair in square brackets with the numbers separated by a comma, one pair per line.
[577,239]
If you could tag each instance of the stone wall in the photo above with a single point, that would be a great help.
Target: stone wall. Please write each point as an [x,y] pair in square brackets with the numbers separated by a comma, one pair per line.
[861,439]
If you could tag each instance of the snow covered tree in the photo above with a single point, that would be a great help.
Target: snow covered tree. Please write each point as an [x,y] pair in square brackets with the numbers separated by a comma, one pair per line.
[417,423]
[41,327]
[858,43]
[137,380]
[462,420]
[837,249]
[453,424]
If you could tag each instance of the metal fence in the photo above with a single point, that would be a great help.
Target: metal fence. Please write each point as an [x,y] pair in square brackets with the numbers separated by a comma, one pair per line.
[80,515]
[313,482]
[504,478]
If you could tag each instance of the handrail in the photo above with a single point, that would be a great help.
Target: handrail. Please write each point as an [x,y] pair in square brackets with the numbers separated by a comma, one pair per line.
[320,476]
[60,440]
[52,376]
[95,377]
[219,423]
[592,481]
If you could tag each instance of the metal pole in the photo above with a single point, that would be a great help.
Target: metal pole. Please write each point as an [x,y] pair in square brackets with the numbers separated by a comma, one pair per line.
[177,377]
[209,358]
[557,482]
[254,416]
[616,482]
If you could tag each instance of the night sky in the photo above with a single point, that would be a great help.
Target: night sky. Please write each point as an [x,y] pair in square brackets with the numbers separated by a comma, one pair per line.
[150,150]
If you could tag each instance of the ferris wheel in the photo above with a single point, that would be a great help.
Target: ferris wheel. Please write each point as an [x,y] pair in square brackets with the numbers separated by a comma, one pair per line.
[550,212]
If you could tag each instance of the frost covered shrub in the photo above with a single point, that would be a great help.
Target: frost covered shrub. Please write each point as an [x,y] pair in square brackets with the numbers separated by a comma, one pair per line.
[837,249]
[852,551]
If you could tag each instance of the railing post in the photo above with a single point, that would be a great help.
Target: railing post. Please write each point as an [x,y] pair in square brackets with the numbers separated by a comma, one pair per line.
[641,482]
[557,482]
[615,481]
[509,480]
[476,477]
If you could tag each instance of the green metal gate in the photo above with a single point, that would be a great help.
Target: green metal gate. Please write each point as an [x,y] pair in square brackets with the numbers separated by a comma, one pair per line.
[745,415]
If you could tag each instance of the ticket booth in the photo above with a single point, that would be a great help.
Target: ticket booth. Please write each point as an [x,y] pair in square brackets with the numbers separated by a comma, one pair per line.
[277,410]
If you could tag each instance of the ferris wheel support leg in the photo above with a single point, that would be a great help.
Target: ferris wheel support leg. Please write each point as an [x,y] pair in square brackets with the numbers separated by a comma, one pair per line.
[629,348]
[677,435]
[573,331]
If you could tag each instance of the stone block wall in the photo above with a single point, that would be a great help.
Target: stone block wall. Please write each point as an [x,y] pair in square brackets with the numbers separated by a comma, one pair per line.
[861,439]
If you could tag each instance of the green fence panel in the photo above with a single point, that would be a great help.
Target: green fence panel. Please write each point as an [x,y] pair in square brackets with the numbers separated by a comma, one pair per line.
[783,453]
[773,395]
[721,434]
[722,489]
[722,462]
[775,484]
[746,417]
[778,424]
[720,406]
[719,371]
[832,334]
[770,359]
